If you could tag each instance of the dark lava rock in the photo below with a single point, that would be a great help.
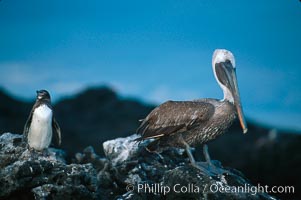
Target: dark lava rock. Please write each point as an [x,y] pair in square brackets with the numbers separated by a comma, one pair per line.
[138,174]
[127,172]
[25,173]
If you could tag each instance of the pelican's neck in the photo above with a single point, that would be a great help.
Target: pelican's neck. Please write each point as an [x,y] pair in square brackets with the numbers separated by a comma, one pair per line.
[227,94]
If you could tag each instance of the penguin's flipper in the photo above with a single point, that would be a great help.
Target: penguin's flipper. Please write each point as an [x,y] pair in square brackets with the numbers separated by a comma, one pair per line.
[56,132]
[27,126]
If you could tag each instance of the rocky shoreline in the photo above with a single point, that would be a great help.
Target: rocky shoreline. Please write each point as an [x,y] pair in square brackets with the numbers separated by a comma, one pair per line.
[127,171]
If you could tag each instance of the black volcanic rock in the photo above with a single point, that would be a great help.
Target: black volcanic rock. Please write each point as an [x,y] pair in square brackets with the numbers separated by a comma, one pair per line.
[125,173]
[139,174]
[32,175]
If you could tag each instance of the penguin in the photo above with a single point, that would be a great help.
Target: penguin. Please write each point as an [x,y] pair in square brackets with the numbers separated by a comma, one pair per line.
[41,124]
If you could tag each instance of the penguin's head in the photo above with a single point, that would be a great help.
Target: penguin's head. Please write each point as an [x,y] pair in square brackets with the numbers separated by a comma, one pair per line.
[43,95]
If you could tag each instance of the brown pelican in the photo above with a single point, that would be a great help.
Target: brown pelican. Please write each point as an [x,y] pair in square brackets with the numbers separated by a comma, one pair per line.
[184,123]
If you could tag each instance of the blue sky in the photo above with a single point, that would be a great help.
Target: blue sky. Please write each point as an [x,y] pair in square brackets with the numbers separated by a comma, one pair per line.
[156,50]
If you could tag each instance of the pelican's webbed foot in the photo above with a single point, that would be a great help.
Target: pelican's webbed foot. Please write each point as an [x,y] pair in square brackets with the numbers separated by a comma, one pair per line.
[207,168]
[212,168]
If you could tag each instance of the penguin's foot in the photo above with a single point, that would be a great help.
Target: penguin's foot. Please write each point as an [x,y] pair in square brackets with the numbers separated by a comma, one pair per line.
[36,153]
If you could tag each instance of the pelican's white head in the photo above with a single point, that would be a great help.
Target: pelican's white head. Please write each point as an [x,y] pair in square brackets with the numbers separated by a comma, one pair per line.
[223,56]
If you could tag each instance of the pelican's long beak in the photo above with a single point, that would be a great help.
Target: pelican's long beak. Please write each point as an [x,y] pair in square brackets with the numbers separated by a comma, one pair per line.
[227,76]
[237,102]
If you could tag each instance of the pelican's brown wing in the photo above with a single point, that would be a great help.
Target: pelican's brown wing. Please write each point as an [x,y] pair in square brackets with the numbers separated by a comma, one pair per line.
[174,116]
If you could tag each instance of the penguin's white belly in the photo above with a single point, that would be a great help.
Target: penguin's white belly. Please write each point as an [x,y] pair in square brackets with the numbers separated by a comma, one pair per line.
[40,131]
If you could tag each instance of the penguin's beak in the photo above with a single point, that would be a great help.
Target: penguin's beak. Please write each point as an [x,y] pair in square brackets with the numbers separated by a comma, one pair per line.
[39,94]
